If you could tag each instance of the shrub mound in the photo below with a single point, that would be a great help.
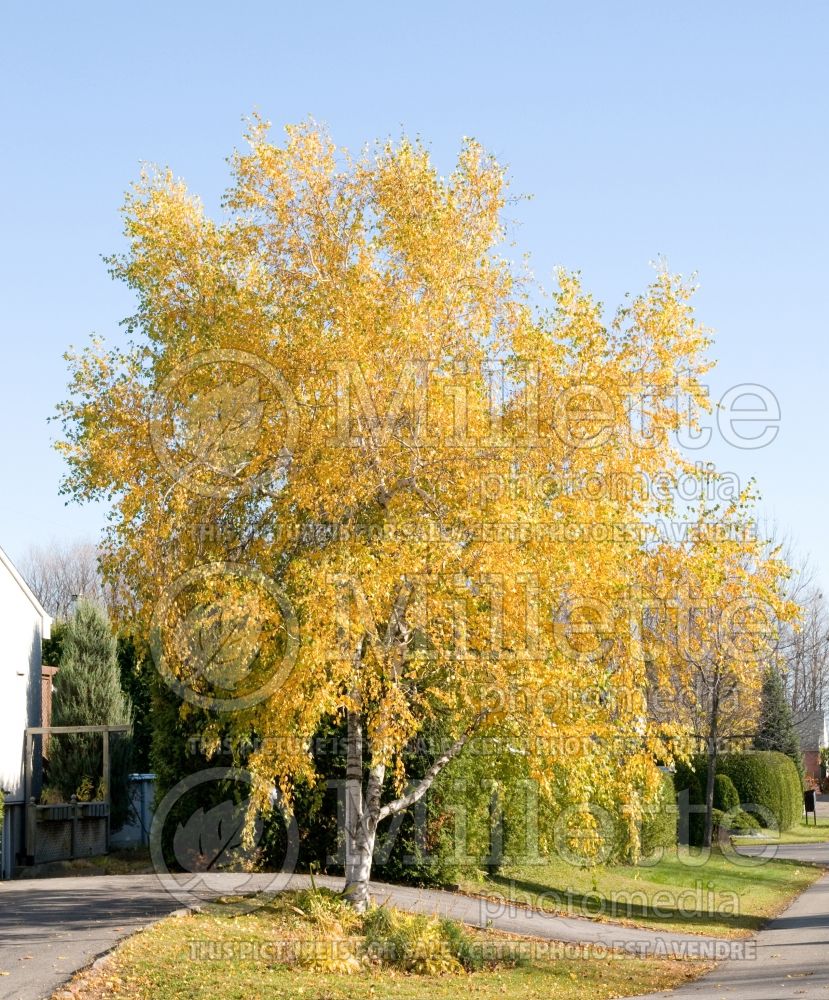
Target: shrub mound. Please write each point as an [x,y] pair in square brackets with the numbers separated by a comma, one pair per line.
[743,822]
[726,796]
[324,934]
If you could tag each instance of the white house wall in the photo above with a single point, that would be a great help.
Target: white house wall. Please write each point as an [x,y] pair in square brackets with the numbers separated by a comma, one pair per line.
[21,632]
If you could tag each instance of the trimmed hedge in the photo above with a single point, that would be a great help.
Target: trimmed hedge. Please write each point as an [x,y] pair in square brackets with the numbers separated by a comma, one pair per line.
[764,778]
[659,820]
[767,779]
[726,796]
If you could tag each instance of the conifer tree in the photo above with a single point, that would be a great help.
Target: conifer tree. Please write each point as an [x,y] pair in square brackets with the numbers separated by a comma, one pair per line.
[776,727]
[87,693]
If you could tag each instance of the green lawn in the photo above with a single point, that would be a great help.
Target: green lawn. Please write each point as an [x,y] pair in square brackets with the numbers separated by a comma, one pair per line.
[163,963]
[803,833]
[718,897]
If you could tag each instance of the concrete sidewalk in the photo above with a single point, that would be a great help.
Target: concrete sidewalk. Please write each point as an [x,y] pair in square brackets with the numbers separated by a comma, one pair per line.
[792,959]
[49,928]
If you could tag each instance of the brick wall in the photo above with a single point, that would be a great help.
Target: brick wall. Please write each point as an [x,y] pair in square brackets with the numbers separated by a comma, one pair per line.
[811,763]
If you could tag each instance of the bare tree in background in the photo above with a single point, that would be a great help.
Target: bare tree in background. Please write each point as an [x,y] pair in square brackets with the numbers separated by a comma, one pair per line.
[807,656]
[59,573]
[804,647]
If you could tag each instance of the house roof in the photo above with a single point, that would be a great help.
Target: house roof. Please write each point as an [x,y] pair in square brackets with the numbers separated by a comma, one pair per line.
[27,590]
[811,729]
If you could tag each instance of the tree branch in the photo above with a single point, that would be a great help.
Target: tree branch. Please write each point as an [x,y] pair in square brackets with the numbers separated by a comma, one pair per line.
[425,783]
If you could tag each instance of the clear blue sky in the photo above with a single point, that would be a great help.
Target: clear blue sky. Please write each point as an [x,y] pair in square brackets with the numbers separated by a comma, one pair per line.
[697,132]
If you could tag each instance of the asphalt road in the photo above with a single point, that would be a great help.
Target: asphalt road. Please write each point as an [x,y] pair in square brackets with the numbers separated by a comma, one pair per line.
[816,854]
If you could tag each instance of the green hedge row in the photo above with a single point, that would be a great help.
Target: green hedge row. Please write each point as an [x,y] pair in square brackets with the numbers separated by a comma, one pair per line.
[659,821]
[764,778]
[767,779]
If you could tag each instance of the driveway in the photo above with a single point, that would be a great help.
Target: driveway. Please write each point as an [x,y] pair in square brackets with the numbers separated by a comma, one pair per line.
[49,928]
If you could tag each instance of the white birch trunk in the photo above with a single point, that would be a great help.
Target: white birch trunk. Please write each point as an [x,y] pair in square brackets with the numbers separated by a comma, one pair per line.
[361,816]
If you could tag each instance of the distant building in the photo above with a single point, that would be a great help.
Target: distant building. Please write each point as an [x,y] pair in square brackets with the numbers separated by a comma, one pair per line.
[23,688]
[811,730]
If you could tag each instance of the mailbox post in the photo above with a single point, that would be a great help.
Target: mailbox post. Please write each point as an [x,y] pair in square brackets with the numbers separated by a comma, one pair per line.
[810,804]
